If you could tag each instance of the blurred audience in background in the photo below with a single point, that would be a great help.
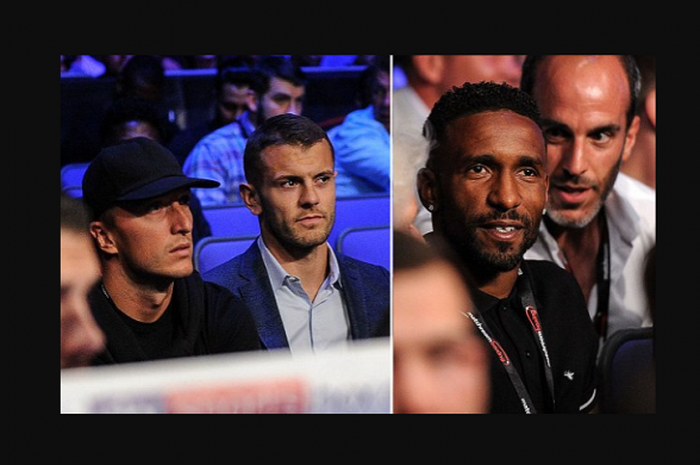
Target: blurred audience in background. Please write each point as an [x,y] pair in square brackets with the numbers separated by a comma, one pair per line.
[81,337]
[233,96]
[641,164]
[440,363]
[361,141]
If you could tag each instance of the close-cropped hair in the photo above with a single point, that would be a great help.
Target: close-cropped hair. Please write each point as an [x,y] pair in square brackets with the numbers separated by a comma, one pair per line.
[471,99]
[286,129]
[276,66]
[532,62]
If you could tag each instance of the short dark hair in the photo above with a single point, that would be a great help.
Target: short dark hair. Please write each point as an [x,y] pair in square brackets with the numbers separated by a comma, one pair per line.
[474,98]
[233,70]
[285,129]
[277,66]
[532,62]
[129,108]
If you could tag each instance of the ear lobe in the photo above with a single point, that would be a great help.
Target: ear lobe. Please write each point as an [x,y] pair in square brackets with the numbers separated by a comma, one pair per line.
[103,238]
[427,189]
[251,199]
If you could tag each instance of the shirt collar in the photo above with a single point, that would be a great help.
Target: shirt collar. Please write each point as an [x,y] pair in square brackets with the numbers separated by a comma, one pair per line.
[278,274]
[620,212]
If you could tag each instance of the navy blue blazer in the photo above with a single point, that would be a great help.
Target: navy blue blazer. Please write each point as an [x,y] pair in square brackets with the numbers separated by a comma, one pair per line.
[365,290]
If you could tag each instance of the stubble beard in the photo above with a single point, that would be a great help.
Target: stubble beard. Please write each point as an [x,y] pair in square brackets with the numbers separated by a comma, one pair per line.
[559,215]
[300,238]
[506,257]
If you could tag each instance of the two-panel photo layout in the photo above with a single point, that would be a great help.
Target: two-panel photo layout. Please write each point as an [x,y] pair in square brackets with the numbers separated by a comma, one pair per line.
[358,234]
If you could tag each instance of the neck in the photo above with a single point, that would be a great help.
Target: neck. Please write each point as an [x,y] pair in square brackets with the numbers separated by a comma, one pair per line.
[577,239]
[580,248]
[310,265]
[141,301]
[497,284]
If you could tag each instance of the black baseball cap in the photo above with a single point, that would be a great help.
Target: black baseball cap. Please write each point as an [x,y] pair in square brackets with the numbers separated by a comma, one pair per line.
[136,169]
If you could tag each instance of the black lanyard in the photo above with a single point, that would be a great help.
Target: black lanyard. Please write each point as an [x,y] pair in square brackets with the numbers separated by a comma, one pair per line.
[600,320]
[528,303]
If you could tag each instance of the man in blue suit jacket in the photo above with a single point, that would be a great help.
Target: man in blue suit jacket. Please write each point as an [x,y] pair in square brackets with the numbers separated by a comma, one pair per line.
[302,294]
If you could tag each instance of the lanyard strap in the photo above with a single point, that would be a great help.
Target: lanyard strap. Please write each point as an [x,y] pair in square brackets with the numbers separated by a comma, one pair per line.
[515,378]
[528,302]
[600,320]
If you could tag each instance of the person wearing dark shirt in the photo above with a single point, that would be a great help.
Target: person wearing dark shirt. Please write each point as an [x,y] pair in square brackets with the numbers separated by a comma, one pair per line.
[151,304]
[485,184]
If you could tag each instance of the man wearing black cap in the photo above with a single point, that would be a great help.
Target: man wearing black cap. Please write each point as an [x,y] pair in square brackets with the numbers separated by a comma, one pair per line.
[151,304]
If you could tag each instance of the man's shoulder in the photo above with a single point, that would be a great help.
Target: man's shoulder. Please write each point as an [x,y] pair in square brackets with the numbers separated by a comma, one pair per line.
[226,273]
[364,270]
[549,275]
[641,196]
[633,188]
[630,193]
[227,135]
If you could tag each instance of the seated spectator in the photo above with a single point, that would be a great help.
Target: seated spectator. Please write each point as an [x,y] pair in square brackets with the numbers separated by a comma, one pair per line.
[132,116]
[280,87]
[362,143]
[234,96]
[303,295]
[151,304]
[440,363]
[81,338]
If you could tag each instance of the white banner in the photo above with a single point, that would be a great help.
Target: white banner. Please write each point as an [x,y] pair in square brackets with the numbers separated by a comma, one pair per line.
[356,379]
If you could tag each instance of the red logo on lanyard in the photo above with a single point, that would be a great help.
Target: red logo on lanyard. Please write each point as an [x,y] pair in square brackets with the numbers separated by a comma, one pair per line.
[532,316]
[502,356]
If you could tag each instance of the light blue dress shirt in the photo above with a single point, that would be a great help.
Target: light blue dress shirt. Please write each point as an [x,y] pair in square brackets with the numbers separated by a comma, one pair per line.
[309,325]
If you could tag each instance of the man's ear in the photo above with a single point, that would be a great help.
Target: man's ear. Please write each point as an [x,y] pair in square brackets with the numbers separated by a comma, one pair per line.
[103,238]
[250,198]
[429,67]
[630,138]
[252,103]
[650,107]
[428,189]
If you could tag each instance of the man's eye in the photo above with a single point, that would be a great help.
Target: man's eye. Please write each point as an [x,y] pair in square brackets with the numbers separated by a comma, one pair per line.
[602,137]
[476,169]
[154,207]
[554,134]
[288,183]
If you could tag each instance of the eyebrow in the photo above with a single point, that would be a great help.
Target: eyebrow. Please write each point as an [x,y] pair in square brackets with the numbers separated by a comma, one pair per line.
[490,160]
[283,177]
[553,124]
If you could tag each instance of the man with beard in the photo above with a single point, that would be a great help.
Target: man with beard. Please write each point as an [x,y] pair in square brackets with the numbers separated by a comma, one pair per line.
[600,223]
[485,184]
[302,294]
